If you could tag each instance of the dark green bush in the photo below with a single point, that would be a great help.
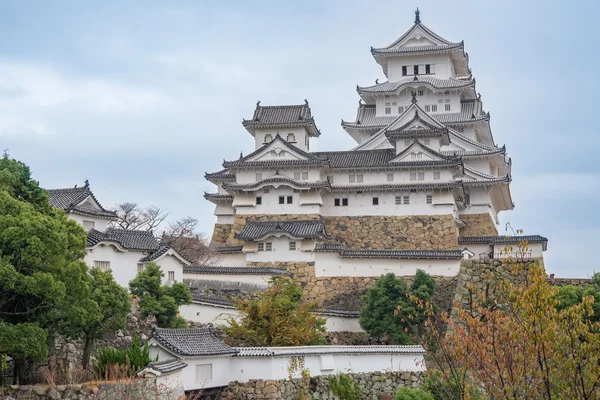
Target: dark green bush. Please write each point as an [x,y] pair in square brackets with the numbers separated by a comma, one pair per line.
[412,394]
[345,388]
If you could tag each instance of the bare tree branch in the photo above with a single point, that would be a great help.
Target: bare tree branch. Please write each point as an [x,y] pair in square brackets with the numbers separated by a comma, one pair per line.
[130,216]
[192,245]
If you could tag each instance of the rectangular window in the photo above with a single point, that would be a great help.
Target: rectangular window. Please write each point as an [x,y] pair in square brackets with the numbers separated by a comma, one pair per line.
[351,178]
[375,201]
[88,225]
[447,107]
[398,199]
[261,246]
[394,103]
[440,101]
[258,176]
[426,142]
[416,69]
[404,72]
[421,176]
[102,265]
[304,175]
[297,176]
[330,179]
[266,190]
[436,175]
[406,199]
[413,176]
[258,200]
[171,276]
[345,201]
[461,130]
[427,68]
[407,142]
[290,199]
[281,199]
[359,178]
[420,92]
[400,110]
[427,108]
[203,372]
[434,108]
[388,110]
[429,199]
[390,177]
[447,101]
[268,246]
[140,267]
[336,202]
[292,246]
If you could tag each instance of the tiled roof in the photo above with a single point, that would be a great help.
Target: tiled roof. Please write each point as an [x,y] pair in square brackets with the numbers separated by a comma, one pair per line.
[418,49]
[486,181]
[474,153]
[319,350]
[69,199]
[366,116]
[222,175]
[501,239]
[229,249]
[397,186]
[210,270]
[245,161]
[212,300]
[434,83]
[329,247]
[276,179]
[164,367]
[254,230]
[403,254]
[191,342]
[162,249]
[335,312]
[282,116]
[128,239]
[218,197]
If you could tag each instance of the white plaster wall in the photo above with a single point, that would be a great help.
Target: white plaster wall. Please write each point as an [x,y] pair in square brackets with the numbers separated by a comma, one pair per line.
[221,372]
[478,249]
[173,381]
[270,203]
[331,264]
[371,177]
[232,260]
[443,69]
[225,219]
[124,264]
[259,136]
[429,97]
[204,313]
[341,324]
[513,250]
[99,224]
[280,252]
[249,176]
[362,204]
[224,209]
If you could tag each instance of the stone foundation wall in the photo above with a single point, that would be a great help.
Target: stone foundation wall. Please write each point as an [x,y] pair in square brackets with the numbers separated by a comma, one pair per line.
[138,389]
[430,232]
[221,233]
[478,225]
[372,385]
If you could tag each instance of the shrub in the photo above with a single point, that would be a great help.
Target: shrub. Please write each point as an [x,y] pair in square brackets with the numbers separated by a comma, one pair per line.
[345,388]
[412,394]
[127,362]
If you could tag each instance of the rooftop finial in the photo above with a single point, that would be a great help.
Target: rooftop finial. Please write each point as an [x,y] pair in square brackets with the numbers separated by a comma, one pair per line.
[306,101]
[87,183]
[414,96]
[417,16]
[241,155]
[258,103]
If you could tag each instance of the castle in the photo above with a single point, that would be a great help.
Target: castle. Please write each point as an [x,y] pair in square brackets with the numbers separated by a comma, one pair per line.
[421,190]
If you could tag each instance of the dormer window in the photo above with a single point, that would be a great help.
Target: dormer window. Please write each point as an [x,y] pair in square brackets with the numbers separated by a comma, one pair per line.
[268,138]
[420,92]
[291,138]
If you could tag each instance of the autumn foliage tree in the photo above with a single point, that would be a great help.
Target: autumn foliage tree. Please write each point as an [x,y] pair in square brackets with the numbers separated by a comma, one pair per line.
[276,317]
[520,345]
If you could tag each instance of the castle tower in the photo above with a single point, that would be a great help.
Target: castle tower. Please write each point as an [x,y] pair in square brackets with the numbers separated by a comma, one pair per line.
[422,189]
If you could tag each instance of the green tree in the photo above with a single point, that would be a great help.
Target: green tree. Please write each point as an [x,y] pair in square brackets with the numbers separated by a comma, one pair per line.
[41,254]
[391,308]
[102,309]
[570,295]
[276,317]
[158,300]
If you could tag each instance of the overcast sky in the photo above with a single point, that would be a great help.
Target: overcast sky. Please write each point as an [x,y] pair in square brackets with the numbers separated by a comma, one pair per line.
[143,97]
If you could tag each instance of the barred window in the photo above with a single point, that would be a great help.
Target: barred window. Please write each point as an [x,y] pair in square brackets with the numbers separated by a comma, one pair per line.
[171,276]
[429,199]
[268,246]
[102,265]
[292,246]
[390,177]
[436,175]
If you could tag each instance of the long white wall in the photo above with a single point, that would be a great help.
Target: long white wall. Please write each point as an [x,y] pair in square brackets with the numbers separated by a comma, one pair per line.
[99,223]
[331,264]
[443,66]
